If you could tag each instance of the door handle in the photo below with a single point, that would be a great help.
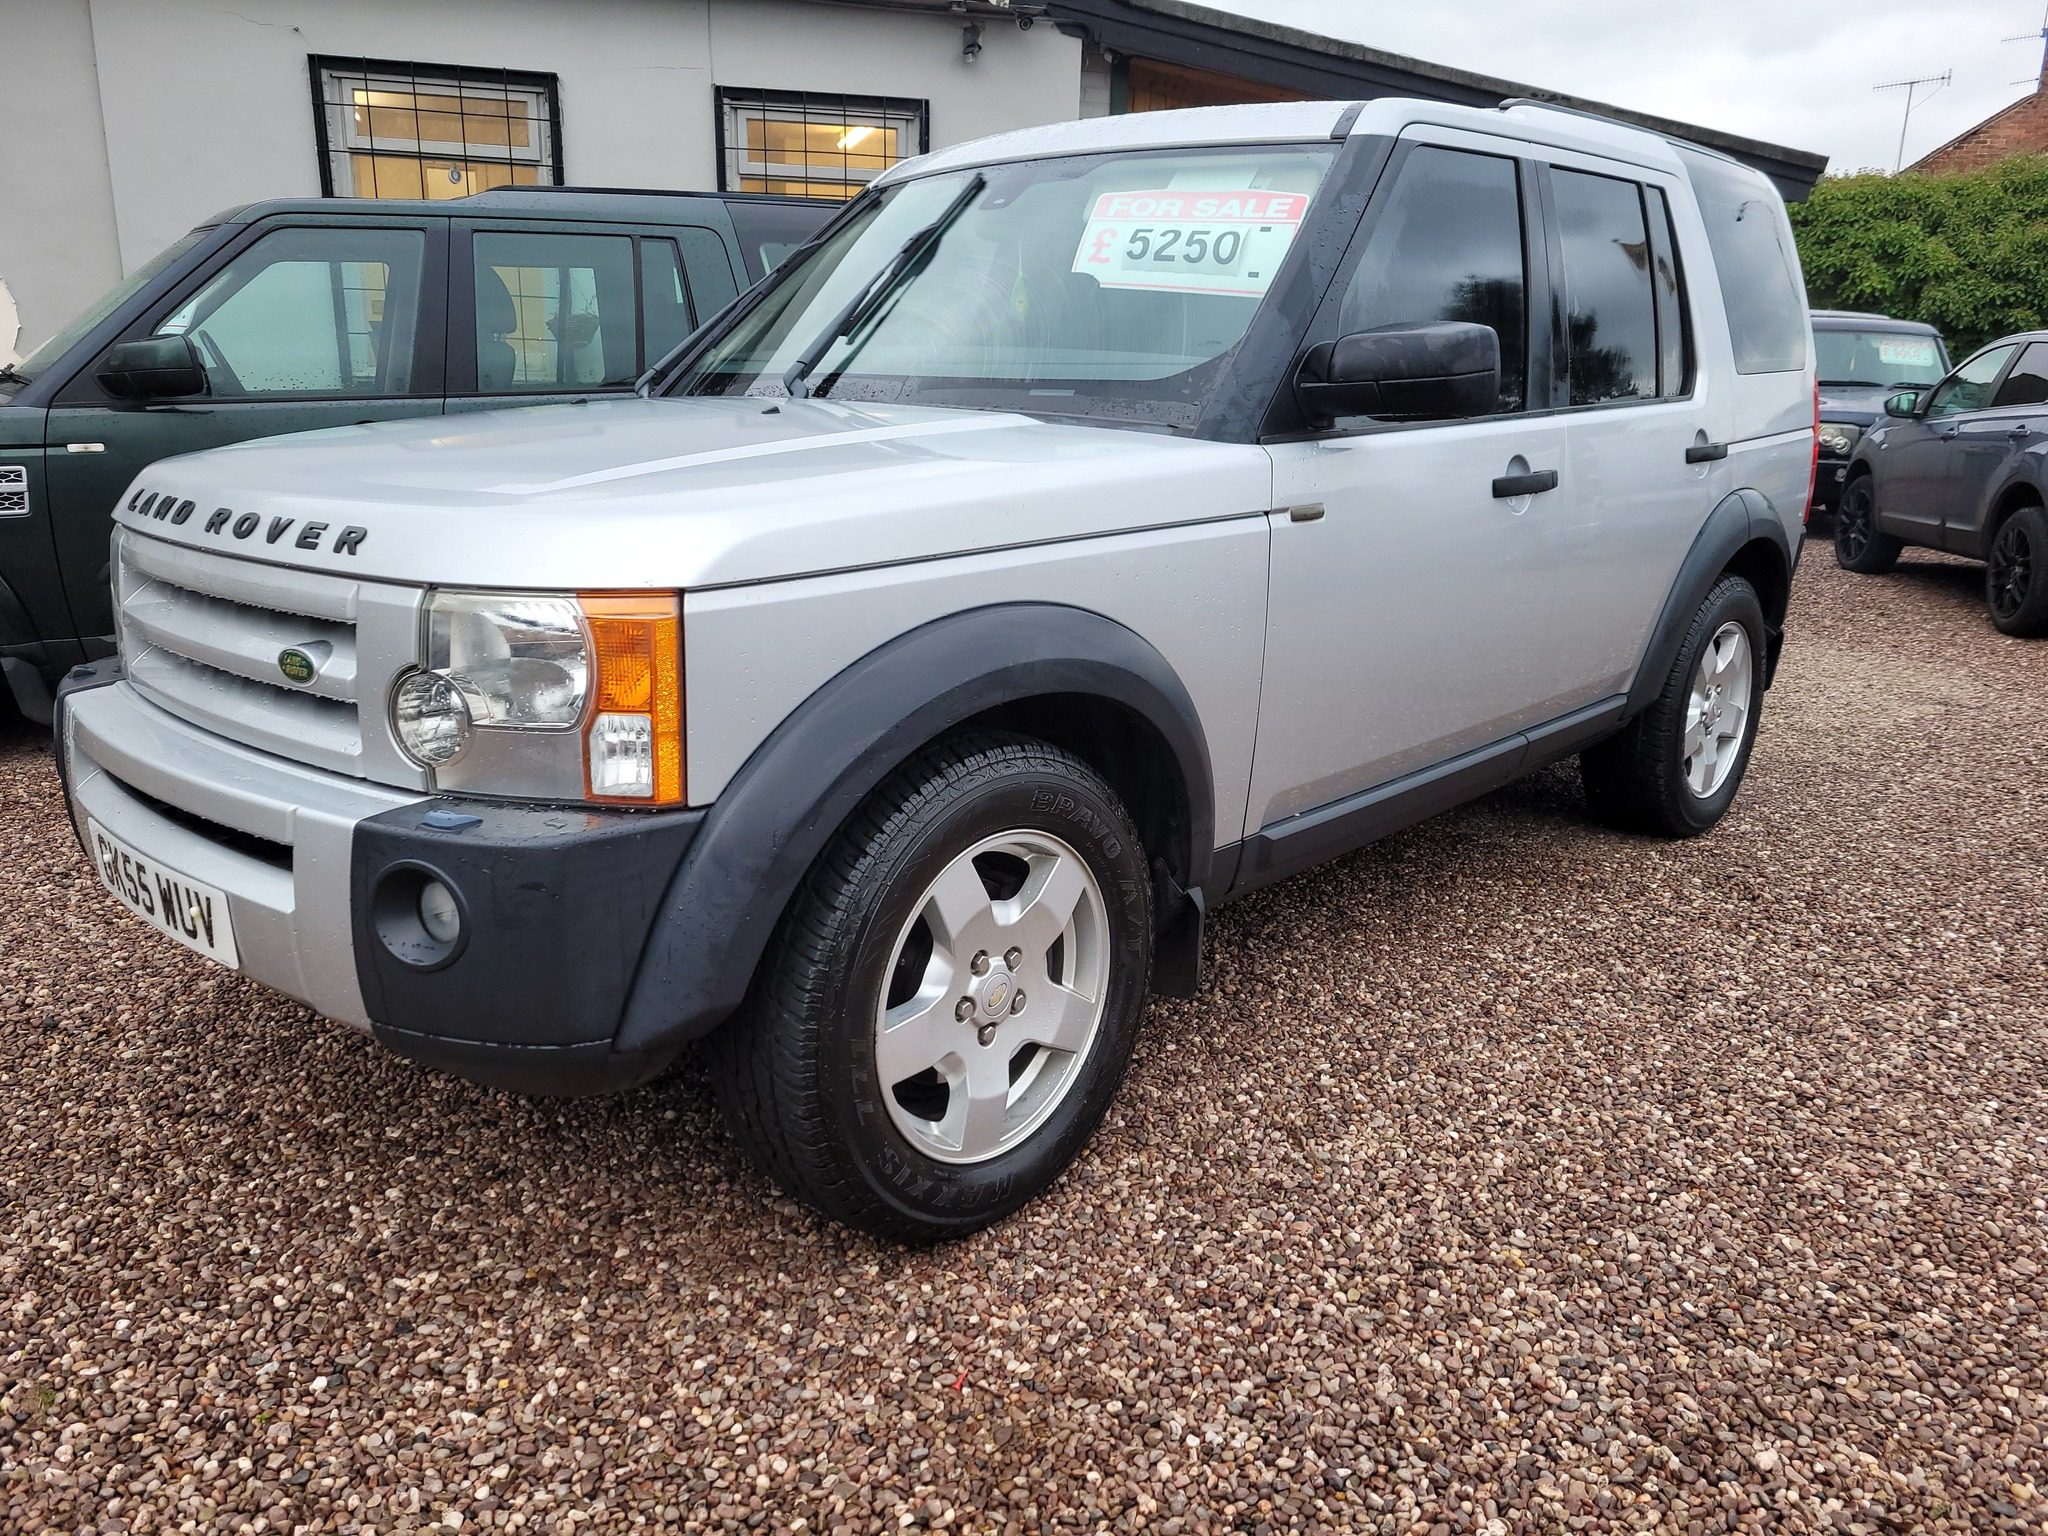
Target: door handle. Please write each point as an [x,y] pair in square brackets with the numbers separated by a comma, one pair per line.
[1507,487]
[1949,433]
[2020,431]
[1706,453]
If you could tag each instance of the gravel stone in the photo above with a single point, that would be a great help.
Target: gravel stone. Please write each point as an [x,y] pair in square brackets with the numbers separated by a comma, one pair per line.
[1510,1176]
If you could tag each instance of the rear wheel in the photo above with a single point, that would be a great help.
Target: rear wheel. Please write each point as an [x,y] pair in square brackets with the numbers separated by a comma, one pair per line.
[949,1005]
[2016,575]
[1674,769]
[1860,545]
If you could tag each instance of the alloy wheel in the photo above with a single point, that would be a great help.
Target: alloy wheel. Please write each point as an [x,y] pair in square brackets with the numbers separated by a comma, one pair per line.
[1852,522]
[2012,570]
[1717,710]
[996,992]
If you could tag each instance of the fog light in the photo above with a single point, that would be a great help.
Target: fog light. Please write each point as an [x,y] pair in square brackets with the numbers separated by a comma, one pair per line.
[439,914]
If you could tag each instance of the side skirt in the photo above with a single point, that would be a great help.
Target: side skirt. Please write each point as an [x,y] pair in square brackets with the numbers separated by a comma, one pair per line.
[1315,837]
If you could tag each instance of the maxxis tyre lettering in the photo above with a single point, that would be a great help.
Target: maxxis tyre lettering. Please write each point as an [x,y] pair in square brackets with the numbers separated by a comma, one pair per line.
[795,1073]
[1634,780]
[2016,574]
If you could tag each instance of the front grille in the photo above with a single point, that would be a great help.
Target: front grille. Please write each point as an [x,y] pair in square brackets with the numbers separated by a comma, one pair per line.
[13,491]
[208,638]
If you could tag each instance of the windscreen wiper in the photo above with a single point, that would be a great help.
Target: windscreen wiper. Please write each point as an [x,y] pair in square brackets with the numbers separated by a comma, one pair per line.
[9,374]
[909,258]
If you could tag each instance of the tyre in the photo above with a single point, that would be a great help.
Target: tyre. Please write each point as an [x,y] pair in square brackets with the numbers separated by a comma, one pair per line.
[1860,545]
[1673,770]
[948,1006]
[2016,575]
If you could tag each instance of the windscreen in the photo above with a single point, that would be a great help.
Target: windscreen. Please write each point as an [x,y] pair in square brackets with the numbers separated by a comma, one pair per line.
[1888,359]
[55,348]
[1104,284]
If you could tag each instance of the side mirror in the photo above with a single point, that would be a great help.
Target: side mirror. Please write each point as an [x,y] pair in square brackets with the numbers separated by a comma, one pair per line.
[1446,370]
[1906,403]
[154,368]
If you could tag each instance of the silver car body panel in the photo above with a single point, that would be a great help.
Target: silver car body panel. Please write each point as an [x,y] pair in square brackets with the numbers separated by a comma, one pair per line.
[127,763]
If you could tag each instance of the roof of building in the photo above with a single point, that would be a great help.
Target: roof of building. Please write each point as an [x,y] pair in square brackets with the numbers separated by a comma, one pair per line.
[1202,37]
[1978,129]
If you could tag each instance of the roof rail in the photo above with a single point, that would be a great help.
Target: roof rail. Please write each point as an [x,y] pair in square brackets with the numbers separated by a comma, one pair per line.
[1620,122]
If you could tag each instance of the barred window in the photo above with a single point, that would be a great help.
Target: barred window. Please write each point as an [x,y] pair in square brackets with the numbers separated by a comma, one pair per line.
[433,130]
[804,144]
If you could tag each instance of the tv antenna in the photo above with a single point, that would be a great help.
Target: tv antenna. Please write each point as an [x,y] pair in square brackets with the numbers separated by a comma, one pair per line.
[1911,88]
[2031,37]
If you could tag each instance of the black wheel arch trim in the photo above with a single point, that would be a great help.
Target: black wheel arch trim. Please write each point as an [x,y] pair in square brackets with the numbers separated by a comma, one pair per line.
[1743,518]
[769,825]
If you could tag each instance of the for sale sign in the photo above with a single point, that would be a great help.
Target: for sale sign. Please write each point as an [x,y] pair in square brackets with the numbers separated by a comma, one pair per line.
[1206,240]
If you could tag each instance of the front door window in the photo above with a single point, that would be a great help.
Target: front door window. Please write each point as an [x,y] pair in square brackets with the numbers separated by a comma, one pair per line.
[1969,387]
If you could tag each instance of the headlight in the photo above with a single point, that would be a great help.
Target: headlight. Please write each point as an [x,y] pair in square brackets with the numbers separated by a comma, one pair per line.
[549,696]
[1839,438]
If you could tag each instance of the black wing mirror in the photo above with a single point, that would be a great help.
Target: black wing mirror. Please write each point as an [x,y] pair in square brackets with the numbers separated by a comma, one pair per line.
[1906,403]
[1446,370]
[154,368]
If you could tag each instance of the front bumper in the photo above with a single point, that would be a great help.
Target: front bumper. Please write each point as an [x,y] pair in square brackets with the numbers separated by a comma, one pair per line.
[322,872]
[1827,487]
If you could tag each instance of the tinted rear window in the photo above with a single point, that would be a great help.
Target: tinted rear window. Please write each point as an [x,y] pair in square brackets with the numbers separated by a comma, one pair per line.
[770,231]
[1759,275]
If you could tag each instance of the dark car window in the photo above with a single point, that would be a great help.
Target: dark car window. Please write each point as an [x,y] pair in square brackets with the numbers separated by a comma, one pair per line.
[1611,316]
[712,285]
[665,302]
[554,312]
[1969,387]
[768,232]
[309,312]
[1759,275]
[2027,384]
[1447,245]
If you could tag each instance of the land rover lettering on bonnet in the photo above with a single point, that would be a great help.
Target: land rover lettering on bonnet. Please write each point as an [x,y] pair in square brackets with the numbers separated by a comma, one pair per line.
[1089,526]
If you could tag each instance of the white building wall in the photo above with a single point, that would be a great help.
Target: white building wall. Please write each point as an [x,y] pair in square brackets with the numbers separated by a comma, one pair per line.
[207,106]
[57,245]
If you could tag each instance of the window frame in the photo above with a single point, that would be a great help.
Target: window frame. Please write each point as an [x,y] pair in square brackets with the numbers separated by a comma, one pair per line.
[1558,387]
[730,104]
[536,83]
[430,331]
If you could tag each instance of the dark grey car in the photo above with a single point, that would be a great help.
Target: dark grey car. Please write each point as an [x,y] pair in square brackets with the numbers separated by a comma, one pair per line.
[1962,467]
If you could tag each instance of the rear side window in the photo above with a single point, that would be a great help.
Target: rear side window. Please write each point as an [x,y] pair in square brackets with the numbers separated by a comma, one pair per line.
[1611,309]
[711,280]
[1753,259]
[1447,245]
[770,231]
[2027,384]
[554,312]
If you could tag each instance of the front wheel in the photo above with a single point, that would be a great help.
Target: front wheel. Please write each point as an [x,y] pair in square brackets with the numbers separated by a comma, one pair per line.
[2015,580]
[1674,769]
[1860,545]
[949,1005]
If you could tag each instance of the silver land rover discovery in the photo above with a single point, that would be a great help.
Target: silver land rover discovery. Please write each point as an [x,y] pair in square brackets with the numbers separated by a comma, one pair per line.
[1089,526]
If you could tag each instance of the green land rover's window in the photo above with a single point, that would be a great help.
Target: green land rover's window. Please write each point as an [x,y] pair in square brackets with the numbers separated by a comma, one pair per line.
[309,312]
[554,312]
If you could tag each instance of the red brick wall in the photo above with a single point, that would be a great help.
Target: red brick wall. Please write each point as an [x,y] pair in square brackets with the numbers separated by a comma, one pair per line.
[2021,129]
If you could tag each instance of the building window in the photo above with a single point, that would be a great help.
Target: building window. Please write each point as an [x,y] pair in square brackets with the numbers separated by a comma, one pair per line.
[432,130]
[802,144]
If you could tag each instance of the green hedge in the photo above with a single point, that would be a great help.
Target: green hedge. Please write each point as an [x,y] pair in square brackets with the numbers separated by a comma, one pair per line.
[1967,254]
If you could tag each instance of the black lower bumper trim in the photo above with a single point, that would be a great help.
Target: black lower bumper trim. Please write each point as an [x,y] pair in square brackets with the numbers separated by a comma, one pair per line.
[546,1071]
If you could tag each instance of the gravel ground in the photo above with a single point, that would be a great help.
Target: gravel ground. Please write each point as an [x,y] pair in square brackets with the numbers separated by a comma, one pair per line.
[1512,1175]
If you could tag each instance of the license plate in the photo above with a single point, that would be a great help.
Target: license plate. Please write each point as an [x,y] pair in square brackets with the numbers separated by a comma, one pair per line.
[190,911]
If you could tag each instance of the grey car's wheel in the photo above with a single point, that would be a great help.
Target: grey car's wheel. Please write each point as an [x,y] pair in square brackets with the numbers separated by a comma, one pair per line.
[1674,769]
[949,1005]
[1860,545]
[2016,575]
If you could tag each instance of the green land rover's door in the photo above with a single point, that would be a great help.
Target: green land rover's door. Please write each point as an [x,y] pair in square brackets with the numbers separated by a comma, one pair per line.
[301,324]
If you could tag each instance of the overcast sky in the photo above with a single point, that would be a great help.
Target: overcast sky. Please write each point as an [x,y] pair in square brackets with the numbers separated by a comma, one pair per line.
[1794,72]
